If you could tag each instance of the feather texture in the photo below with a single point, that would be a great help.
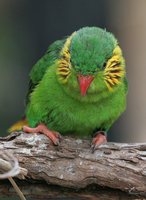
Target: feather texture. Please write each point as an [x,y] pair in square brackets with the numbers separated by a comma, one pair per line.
[54,94]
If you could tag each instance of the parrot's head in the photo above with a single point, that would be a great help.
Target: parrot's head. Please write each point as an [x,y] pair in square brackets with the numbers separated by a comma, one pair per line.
[90,63]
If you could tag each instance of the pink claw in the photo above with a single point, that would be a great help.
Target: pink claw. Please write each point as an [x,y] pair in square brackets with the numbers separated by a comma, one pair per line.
[98,140]
[41,128]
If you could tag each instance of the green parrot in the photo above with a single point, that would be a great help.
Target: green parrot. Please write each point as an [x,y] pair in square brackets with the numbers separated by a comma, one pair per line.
[78,87]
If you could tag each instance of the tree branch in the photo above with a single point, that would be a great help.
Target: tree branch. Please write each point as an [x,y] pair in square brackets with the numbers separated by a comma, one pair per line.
[42,191]
[73,165]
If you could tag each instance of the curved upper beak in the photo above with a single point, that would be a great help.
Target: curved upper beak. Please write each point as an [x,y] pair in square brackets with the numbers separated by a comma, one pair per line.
[85,82]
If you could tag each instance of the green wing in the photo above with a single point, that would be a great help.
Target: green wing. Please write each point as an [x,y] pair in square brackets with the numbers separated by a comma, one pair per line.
[41,66]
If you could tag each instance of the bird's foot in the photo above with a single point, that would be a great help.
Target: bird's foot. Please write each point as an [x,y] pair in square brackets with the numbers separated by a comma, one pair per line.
[41,128]
[99,138]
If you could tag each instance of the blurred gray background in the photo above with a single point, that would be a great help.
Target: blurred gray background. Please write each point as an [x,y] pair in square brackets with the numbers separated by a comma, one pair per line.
[28,27]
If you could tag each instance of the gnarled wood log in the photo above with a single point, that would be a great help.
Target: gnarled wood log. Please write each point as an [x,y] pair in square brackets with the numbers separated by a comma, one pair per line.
[43,191]
[73,165]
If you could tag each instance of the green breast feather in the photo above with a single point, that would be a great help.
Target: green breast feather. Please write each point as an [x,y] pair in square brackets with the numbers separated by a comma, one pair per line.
[79,85]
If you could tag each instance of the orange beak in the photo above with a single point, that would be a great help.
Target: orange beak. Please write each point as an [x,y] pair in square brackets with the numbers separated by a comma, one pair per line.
[84,82]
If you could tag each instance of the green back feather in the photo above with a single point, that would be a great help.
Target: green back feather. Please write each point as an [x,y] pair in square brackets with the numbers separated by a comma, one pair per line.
[46,61]
[42,65]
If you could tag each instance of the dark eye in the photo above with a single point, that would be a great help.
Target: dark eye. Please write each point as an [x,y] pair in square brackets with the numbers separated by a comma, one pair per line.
[104,65]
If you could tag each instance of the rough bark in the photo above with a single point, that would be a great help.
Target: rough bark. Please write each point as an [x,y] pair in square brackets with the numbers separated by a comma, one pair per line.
[42,191]
[73,165]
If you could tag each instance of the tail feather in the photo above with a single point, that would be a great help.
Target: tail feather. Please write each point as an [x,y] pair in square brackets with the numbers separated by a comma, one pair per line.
[18,125]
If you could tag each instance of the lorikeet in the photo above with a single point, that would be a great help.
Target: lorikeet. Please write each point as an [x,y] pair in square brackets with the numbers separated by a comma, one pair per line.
[78,87]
